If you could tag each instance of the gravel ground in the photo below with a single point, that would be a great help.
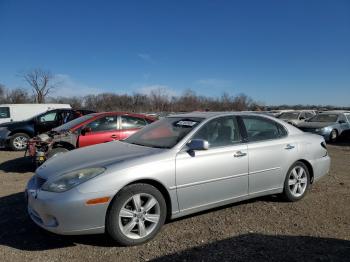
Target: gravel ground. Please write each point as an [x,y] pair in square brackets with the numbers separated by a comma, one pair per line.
[316,228]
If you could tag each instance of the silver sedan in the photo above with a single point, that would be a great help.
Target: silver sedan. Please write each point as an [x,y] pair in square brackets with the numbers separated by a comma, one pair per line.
[176,166]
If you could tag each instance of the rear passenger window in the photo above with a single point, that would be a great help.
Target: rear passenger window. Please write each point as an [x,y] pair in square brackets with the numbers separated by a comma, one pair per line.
[259,129]
[130,122]
[4,112]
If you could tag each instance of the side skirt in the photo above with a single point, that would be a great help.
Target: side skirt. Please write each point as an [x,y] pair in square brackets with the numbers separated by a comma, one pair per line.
[200,208]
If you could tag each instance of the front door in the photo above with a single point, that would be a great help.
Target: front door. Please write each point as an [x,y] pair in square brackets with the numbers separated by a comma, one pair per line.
[217,174]
[47,121]
[102,130]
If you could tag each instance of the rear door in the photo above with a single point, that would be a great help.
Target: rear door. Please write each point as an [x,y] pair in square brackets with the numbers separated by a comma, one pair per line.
[103,129]
[271,153]
[129,125]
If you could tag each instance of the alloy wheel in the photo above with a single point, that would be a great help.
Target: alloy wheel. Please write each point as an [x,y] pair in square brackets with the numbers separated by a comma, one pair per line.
[20,142]
[297,181]
[139,216]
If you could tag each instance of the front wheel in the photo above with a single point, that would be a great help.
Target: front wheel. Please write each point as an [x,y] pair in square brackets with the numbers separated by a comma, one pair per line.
[136,214]
[18,142]
[297,182]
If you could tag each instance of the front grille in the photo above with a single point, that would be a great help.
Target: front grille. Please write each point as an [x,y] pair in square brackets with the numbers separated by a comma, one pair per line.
[39,181]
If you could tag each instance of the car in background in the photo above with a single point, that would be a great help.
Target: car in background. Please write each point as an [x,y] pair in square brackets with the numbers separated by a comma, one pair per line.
[85,131]
[179,165]
[15,135]
[20,112]
[296,117]
[329,124]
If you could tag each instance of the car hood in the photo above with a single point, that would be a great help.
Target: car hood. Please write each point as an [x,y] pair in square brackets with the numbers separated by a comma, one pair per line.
[100,155]
[316,124]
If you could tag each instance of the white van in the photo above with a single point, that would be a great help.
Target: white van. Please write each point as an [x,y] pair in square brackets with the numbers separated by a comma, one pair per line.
[18,112]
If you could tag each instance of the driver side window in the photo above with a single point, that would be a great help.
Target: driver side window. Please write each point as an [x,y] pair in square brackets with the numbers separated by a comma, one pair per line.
[104,124]
[48,117]
[222,131]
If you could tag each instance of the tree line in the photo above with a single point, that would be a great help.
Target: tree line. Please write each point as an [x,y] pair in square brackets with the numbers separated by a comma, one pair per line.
[42,83]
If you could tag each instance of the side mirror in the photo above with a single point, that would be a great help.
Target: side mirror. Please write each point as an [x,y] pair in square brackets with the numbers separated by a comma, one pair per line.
[198,144]
[302,118]
[85,130]
[341,122]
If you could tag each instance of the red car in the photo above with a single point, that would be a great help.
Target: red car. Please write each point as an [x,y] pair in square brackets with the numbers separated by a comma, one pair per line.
[84,131]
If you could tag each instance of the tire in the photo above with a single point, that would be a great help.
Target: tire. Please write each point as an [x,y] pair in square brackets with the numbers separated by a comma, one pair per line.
[123,220]
[297,182]
[333,136]
[55,151]
[18,141]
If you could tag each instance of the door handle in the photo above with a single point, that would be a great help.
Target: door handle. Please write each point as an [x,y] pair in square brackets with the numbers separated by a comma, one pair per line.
[114,136]
[239,154]
[289,146]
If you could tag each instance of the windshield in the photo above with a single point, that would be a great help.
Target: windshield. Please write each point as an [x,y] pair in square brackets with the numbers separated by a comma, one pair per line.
[289,115]
[324,118]
[73,123]
[164,133]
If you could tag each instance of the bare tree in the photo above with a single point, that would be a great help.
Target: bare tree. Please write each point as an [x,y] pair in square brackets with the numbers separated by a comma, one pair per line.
[18,96]
[42,83]
[2,93]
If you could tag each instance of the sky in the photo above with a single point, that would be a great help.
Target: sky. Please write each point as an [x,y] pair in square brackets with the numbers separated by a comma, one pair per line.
[277,52]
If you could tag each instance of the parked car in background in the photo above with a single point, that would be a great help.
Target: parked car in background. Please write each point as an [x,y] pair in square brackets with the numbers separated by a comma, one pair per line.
[15,135]
[296,117]
[85,131]
[276,113]
[329,124]
[179,165]
[20,112]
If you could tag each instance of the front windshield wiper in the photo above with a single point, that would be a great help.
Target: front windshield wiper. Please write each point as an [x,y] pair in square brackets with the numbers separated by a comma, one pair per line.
[153,146]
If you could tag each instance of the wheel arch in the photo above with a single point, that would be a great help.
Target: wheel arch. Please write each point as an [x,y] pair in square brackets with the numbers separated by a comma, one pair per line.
[309,168]
[66,145]
[14,132]
[157,185]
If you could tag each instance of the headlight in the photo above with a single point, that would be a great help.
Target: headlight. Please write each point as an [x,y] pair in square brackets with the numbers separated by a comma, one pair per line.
[72,179]
[324,129]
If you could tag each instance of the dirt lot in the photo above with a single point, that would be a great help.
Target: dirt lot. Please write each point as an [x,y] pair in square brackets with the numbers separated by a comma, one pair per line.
[314,229]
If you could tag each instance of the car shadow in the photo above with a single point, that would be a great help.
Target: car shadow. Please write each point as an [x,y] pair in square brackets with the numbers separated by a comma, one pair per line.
[18,165]
[17,231]
[259,247]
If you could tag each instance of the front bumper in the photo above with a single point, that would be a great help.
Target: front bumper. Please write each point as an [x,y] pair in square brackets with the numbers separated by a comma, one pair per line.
[3,143]
[65,213]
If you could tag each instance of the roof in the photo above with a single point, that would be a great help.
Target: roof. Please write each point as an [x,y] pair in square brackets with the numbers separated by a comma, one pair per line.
[214,114]
[335,112]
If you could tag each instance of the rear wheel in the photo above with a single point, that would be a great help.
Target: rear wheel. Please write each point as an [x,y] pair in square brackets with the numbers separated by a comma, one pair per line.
[333,136]
[297,182]
[136,214]
[18,142]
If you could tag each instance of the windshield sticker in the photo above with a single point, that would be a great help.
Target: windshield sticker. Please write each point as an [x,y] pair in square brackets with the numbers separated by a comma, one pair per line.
[186,123]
